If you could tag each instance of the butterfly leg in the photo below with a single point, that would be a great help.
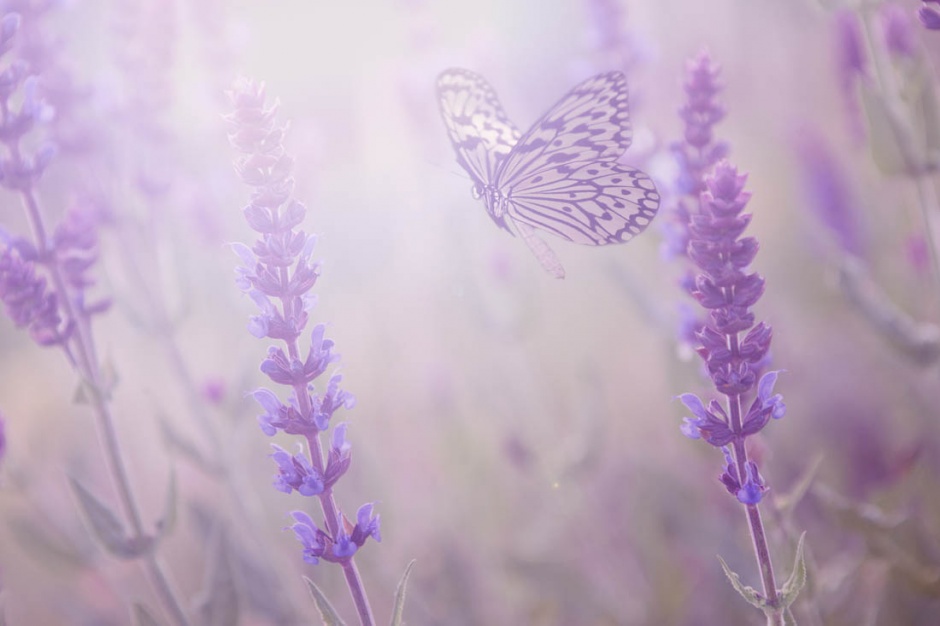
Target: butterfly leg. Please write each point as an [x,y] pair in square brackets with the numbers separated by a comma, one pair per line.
[540,249]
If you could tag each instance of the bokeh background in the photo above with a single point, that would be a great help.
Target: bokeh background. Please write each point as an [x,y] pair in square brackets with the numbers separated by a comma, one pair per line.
[519,434]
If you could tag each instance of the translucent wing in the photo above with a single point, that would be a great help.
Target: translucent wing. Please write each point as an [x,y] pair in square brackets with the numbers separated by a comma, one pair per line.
[562,176]
[594,204]
[479,129]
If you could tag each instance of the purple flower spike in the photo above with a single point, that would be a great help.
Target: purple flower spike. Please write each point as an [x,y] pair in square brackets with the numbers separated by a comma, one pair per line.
[733,345]
[278,273]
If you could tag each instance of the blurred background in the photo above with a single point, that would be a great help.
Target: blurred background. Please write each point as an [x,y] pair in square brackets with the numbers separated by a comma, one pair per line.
[519,434]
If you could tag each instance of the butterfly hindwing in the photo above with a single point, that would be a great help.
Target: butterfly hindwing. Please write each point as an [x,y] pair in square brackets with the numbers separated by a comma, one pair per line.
[481,133]
[596,204]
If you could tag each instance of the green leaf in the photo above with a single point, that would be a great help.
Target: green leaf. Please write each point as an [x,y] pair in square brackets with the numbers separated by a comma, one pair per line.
[797,579]
[788,618]
[166,525]
[185,446]
[143,616]
[787,502]
[218,598]
[104,524]
[399,609]
[748,593]
[928,117]
[883,129]
[327,612]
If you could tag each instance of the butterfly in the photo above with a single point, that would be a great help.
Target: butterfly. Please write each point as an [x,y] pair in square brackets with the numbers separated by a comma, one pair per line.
[562,176]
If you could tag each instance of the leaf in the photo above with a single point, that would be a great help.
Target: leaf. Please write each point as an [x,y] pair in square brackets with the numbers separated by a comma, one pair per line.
[187,448]
[104,524]
[787,502]
[143,616]
[927,111]
[399,609]
[46,545]
[218,599]
[85,393]
[788,618]
[797,579]
[327,612]
[748,593]
[883,129]
[166,525]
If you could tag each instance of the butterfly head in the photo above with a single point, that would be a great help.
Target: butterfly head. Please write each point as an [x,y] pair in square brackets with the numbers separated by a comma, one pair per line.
[496,203]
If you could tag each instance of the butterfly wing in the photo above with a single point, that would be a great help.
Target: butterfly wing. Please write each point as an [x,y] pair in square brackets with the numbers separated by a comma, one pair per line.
[481,133]
[562,176]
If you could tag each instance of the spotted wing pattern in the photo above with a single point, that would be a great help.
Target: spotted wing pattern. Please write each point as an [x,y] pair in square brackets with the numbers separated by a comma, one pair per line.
[481,133]
[563,176]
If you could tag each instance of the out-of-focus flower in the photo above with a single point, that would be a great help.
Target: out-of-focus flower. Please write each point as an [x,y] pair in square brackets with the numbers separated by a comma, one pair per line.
[27,300]
[830,196]
[695,155]
[699,151]
[851,65]
[897,30]
[929,14]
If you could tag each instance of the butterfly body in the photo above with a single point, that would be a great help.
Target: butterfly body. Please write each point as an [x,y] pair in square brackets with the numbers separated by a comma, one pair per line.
[562,176]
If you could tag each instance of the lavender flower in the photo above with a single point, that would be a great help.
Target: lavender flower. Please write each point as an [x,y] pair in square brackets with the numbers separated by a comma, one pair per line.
[699,150]
[278,274]
[695,155]
[43,285]
[930,15]
[728,290]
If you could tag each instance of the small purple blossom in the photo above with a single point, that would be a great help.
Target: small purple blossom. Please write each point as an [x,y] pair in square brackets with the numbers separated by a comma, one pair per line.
[318,544]
[753,489]
[309,534]
[295,473]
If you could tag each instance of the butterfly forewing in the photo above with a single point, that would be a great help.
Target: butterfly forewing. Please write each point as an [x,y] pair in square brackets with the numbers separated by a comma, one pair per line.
[591,123]
[481,133]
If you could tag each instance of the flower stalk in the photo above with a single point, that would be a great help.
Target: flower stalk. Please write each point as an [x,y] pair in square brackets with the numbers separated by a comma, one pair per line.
[278,274]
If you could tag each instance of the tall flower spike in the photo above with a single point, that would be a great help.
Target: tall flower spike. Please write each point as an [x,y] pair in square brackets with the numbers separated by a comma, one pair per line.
[734,348]
[277,273]
[694,155]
